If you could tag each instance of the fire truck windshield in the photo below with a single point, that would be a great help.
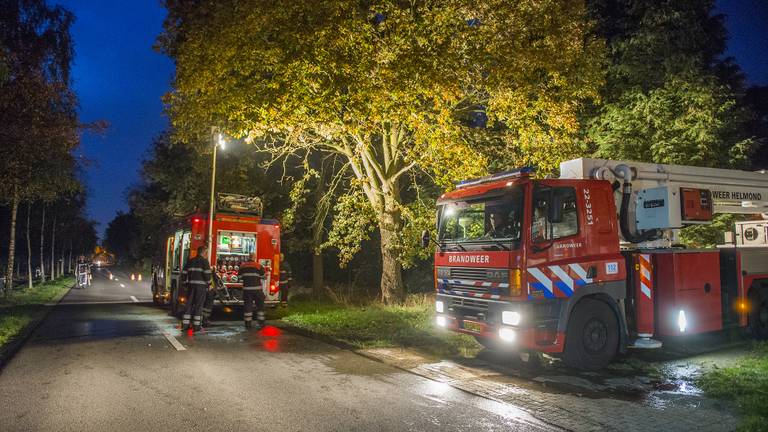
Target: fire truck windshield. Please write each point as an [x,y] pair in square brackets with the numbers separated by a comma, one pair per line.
[495,218]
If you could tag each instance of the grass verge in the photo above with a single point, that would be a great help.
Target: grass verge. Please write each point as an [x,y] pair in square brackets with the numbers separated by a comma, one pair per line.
[376,325]
[22,307]
[746,383]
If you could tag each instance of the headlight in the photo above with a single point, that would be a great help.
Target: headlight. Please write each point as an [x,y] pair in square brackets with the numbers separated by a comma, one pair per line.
[682,322]
[510,318]
[439,306]
[507,334]
[441,321]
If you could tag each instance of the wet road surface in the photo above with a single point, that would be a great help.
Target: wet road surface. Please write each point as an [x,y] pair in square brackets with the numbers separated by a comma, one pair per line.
[106,359]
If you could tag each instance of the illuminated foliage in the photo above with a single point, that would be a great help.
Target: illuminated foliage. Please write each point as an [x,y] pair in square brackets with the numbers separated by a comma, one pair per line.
[393,87]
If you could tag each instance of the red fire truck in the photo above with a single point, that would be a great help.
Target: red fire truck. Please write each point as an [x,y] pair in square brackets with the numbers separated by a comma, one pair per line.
[237,232]
[589,264]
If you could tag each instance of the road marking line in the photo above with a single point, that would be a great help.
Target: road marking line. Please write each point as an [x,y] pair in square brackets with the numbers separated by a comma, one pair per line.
[135,300]
[122,285]
[175,343]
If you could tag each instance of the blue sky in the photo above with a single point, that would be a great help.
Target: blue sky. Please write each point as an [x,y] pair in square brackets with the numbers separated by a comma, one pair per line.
[120,79]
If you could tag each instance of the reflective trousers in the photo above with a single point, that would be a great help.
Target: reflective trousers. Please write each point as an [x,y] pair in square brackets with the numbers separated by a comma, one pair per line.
[196,295]
[249,298]
[208,306]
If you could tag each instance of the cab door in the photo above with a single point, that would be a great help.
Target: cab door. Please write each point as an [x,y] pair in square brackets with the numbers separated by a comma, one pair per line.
[556,247]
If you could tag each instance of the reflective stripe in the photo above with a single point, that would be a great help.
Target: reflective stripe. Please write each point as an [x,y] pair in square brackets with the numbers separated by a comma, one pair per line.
[580,272]
[646,281]
[260,315]
[195,269]
[248,314]
[566,281]
[196,282]
[185,321]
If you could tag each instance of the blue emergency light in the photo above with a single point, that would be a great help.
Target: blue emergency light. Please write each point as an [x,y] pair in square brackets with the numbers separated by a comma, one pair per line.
[515,173]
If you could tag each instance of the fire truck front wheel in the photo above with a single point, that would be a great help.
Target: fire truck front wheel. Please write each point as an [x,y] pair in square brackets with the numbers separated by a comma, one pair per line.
[592,336]
[487,342]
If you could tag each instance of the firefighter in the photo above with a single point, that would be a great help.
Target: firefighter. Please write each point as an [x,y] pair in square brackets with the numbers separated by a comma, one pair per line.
[251,274]
[285,280]
[198,275]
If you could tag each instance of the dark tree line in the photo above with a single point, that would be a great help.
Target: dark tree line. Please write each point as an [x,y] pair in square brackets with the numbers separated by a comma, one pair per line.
[39,132]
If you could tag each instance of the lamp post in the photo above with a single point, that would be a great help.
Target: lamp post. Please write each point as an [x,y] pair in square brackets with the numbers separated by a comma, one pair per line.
[218,140]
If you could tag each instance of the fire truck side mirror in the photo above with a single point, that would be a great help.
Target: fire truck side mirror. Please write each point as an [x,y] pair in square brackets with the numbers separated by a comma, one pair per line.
[425,238]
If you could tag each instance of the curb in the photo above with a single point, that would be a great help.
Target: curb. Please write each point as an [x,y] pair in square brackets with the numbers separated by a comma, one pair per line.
[9,351]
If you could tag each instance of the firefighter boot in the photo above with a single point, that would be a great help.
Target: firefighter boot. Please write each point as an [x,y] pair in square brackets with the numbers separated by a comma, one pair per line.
[248,319]
[196,322]
[260,319]
[185,322]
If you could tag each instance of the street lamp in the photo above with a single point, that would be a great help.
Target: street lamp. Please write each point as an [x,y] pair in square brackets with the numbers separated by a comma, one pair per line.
[218,141]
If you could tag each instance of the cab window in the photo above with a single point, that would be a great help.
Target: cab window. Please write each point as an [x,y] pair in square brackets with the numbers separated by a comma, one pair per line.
[554,213]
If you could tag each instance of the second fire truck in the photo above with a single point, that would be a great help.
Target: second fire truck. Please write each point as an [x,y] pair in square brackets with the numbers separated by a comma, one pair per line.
[238,230]
[589,264]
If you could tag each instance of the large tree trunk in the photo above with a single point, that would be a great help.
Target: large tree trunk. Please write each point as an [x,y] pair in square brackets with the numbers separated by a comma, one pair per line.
[390,226]
[42,248]
[29,247]
[69,260]
[379,173]
[53,248]
[12,243]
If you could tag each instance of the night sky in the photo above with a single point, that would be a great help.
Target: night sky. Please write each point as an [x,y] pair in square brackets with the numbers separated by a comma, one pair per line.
[120,79]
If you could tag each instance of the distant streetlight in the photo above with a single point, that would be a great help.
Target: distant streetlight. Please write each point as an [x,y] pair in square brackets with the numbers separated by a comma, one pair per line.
[218,141]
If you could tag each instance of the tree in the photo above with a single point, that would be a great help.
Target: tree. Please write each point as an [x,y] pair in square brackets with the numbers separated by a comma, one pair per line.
[122,237]
[687,121]
[37,107]
[669,97]
[386,86]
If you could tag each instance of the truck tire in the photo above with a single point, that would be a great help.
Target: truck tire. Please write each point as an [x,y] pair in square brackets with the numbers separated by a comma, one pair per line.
[758,314]
[592,335]
[156,298]
[174,302]
[486,342]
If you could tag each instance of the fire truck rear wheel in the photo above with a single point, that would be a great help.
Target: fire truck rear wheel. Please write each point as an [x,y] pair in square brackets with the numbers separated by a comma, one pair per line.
[174,302]
[156,298]
[592,337]
[758,314]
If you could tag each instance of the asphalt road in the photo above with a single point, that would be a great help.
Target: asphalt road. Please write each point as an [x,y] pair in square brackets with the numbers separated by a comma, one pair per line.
[106,359]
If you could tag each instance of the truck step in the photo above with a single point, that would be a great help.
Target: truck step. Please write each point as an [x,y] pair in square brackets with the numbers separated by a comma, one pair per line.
[645,343]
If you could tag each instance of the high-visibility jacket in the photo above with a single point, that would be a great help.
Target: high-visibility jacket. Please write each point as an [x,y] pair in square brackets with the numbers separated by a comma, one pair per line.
[197,271]
[251,274]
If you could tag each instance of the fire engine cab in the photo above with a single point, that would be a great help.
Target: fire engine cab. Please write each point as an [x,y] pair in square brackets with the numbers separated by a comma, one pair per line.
[238,230]
[589,264]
